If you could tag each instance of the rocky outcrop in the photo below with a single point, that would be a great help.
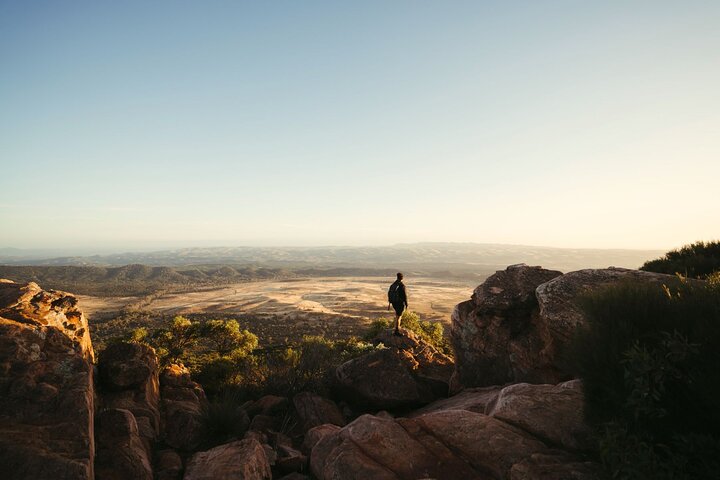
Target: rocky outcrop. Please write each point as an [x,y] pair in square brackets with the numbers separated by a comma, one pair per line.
[183,401]
[520,431]
[129,380]
[519,320]
[553,413]
[46,385]
[313,410]
[315,434]
[496,335]
[557,299]
[239,460]
[168,465]
[408,372]
[447,444]
[120,450]
[29,304]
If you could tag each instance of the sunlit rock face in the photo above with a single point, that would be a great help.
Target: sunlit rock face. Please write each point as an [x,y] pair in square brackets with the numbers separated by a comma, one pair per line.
[46,385]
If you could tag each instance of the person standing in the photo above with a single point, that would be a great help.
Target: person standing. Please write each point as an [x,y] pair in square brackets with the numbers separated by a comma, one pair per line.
[397,297]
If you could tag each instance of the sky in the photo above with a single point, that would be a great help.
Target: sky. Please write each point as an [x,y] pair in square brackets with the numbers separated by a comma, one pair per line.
[142,124]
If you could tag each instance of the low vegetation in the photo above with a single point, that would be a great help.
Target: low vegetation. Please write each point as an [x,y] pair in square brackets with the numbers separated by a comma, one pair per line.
[698,260]
[650,364]
[431,332]
[229,362]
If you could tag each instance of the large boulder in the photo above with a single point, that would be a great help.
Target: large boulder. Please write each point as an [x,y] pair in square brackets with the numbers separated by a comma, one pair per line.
[239,460]
[313,410]
[449,444]
[478,399]
[129,380]
[46,385]
[408,372]
[557,298]
[516,325]
[496,336]
[28,303]
[553,413]
[183,401]
[120,450]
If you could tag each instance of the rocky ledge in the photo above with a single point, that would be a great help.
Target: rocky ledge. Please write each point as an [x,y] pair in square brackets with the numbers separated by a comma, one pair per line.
[46,385]
[518,321]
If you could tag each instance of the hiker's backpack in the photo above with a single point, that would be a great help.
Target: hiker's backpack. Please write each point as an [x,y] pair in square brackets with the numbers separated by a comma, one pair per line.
[394,293]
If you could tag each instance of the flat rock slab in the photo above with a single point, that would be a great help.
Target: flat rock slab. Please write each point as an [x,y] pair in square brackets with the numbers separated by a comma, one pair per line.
[240,460]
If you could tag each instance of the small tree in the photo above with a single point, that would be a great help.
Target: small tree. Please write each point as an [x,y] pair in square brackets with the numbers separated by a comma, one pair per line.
[228,338]
[173,343]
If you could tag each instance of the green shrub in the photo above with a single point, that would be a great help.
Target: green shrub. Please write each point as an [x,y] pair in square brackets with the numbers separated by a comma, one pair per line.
[308,366]
[697,260]
[174,342]
[650,365]
[227,338]
[377,327]
[431,332]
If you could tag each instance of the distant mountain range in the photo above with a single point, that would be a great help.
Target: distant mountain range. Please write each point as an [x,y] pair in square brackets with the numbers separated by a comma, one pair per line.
[139,273]
[428,255]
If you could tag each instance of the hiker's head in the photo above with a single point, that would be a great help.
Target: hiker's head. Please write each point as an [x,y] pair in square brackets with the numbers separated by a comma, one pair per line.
[399,276]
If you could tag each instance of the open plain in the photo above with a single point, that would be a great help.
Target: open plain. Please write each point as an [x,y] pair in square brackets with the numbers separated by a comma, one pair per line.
[278,310]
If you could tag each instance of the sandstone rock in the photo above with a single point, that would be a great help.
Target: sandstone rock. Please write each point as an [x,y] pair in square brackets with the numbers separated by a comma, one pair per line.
[450,444]
[496,335]
[557,298]
[430,365]
[239,460]
[120,450]
[46,385]
[471,399]
[516,325]
[290,460]
[28,303]
[129,380]
[264,423]
[168,465]
[268,405]
[553,413]
[512,288]
[314,435]
[455,444]
[313,410]
[183,401]
[410,372]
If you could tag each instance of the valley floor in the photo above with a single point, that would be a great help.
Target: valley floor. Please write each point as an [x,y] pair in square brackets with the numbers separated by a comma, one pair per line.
[280,309]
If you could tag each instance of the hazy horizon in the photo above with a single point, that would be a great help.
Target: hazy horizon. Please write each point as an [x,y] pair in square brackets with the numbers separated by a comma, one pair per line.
[149,126]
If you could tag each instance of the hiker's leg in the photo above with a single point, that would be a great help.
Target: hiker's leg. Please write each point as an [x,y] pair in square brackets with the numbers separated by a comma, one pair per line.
[397,321]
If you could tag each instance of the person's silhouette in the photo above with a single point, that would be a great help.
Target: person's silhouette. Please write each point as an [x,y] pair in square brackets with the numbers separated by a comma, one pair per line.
[397,297]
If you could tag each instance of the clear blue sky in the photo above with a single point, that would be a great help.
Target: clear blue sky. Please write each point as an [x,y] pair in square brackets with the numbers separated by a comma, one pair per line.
[171,123]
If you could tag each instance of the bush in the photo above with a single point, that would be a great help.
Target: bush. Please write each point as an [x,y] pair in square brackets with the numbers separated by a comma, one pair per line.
[173,343]
[227,337]
[309,365]
[698,260]
[650,364]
